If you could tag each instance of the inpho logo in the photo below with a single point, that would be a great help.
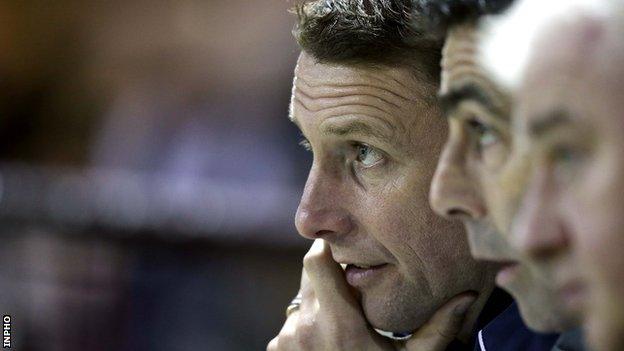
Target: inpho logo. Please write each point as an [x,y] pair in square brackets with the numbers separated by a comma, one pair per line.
[6,332]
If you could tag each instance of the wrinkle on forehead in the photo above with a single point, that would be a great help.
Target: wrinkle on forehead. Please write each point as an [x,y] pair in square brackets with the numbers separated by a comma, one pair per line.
[460,48]
[344,90]
[461,68]
[402,81]
[459,56]
[335,103]
[335,85]
[390,95]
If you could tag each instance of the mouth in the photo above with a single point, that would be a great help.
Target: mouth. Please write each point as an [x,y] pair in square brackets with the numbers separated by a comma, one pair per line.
[507,273]
[361,275]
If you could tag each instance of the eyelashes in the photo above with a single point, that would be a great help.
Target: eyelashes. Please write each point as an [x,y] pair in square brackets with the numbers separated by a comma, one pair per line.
[486,135]
[365,155]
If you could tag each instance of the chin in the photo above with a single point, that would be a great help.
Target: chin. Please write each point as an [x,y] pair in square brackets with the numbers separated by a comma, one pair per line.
[533,313]
[395,312]
[539,323]
[534,307]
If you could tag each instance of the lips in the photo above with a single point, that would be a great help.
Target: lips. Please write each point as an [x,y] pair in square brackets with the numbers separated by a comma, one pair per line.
[365,266]
[361,275]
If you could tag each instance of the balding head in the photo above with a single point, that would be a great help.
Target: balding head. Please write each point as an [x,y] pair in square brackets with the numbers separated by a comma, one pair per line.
[512,40]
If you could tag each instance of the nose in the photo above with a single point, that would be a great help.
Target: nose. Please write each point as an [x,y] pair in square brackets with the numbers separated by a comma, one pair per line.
[537,230]
[453,193]
[321,212]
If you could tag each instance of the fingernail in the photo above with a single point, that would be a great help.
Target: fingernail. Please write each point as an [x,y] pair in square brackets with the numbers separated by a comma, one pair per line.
[317,245]
[464,306]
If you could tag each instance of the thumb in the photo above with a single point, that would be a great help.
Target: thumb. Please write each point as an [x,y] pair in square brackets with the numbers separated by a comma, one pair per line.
[444,326]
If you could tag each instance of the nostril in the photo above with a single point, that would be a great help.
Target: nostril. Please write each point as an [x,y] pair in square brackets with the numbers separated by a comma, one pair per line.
[457,212]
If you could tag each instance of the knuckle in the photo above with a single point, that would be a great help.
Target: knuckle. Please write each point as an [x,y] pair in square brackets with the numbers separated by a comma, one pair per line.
[285,340]
[287,336]
[308,322]
[311,260]
[306,333]
[446,332]
[305,340]
[272,346]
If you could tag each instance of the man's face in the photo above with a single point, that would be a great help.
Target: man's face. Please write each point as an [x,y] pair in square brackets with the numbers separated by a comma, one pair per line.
[571,219]
[375,134]
[466,186]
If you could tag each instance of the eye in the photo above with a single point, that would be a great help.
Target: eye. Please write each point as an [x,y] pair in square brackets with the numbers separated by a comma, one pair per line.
[566,160]
[367,155]
[486,136]
[565,154]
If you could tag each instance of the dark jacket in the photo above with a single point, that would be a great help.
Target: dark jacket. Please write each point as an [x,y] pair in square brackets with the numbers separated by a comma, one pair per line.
[570,341]
[507,332]
[498,302]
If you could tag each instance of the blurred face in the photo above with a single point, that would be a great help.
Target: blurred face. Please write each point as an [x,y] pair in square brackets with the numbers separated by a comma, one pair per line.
[375,135]
[571,219]
[466,180]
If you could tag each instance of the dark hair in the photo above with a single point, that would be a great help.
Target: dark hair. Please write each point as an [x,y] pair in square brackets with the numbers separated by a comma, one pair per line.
[443,14]
[369,32]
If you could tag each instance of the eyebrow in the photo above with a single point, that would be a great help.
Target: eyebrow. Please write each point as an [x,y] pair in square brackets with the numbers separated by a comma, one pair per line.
[548,121]
[469,91]
[360,128]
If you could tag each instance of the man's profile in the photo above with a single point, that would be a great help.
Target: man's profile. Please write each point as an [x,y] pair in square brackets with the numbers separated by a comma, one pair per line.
[364,98]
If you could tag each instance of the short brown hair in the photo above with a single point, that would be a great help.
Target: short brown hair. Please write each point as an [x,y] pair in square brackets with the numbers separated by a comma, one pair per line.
[367,32]
[444,14]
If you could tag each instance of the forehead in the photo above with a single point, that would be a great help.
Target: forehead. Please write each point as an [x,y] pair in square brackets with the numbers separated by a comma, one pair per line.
[400,79]
[395,95]
[458,56]
[461,66]
[567,70]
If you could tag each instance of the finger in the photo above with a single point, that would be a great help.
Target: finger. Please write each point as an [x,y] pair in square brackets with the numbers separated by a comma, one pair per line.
[306,290]
[290,326]
[286,337]
[272,346]
[444,326]
[309,304]
[328,281]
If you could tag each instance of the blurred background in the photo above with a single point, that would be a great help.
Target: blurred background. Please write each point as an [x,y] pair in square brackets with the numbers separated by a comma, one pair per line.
[149,175]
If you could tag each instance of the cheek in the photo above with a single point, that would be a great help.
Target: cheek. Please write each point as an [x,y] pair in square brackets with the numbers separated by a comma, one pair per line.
[494,157]
[594,208]
[400,216]
[502,194]
[401,219]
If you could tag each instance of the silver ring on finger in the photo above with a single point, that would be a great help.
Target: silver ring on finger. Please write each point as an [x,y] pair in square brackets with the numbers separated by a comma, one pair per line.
[294,305]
